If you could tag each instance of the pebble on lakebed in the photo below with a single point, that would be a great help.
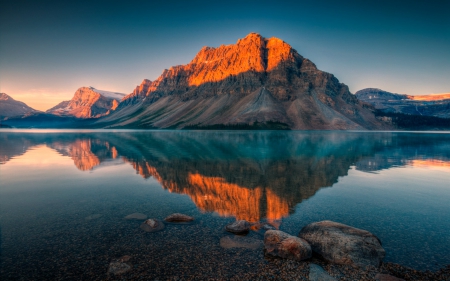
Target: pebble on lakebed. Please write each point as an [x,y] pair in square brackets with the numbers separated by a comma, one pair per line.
[177,217]
[152,225]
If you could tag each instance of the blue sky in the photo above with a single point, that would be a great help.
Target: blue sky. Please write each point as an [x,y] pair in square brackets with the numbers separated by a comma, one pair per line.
[48,49]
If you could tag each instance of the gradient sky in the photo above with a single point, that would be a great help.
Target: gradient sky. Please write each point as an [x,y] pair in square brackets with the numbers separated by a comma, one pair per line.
[48,49]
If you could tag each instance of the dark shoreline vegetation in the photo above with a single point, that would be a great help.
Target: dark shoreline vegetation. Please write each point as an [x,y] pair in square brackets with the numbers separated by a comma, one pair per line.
[47,121]
[255,126]
[415,122]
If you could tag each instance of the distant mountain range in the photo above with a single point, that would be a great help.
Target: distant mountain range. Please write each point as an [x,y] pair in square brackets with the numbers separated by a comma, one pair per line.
[257,83]
[426,105]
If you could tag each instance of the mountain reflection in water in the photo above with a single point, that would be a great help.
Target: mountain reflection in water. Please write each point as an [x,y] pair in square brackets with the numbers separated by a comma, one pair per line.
[248,175]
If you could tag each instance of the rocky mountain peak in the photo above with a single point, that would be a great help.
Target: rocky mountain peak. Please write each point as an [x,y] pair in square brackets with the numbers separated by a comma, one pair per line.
[88,102]
[255,80]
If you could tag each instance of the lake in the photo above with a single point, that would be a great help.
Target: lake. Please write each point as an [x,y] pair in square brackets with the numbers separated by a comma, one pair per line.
[64,196]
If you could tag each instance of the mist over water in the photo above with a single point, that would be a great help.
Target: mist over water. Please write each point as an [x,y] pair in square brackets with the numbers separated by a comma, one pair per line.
[63,195]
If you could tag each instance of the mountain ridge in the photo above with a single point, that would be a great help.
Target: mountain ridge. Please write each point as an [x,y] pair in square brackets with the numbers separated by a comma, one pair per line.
[423,105]
[10,107]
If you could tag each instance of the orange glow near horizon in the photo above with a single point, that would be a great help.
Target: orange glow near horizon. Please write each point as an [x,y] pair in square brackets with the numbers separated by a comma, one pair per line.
[431,163]
[432,97]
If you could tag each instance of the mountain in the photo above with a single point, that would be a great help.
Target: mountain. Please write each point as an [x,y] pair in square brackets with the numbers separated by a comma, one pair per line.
[255,83]
[10,107]
[88,102]
[425,105]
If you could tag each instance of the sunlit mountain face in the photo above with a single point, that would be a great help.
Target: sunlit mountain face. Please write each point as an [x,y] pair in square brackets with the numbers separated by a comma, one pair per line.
[252,176]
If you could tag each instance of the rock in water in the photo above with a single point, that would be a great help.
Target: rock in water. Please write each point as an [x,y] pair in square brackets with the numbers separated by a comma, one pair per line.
[177,217]
[387,277]
[238,227]
[343,244]
[152,225]
[93,217]
[317,273]
[281,244]
[136,216]
[234,241]
[117,267]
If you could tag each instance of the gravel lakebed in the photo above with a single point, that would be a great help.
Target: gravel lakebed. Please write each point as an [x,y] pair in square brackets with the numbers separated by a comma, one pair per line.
[86,249]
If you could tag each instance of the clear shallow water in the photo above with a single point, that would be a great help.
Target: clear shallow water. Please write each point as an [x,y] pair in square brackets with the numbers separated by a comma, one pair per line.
[64,196]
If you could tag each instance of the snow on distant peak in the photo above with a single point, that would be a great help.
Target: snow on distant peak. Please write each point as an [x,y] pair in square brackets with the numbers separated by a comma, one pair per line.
[107,94]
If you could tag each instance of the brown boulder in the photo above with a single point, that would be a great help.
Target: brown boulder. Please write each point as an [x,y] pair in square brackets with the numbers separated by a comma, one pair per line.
[343,244]
[280,244]
[238,227]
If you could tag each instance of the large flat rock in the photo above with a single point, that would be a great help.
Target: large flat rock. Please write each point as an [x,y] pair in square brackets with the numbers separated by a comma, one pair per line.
[343,244]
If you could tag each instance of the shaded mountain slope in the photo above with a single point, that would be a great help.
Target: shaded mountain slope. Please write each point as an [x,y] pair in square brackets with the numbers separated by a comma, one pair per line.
[10,107]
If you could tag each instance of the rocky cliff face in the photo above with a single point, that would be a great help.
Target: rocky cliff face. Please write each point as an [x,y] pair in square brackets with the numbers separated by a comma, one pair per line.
[255,82]
[10,107]
[88,102]
[425,105]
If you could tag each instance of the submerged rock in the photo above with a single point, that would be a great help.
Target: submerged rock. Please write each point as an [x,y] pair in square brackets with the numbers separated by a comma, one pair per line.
[235,241]
[317,273]
[93,217]
[343,244]
[263,226]
[238,227]
[387,277]
[136,216]
[280,244]
[177,217]
[119,266]
[152,225]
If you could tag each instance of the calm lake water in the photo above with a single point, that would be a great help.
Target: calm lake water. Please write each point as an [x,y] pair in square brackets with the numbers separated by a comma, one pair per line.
[64,196]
